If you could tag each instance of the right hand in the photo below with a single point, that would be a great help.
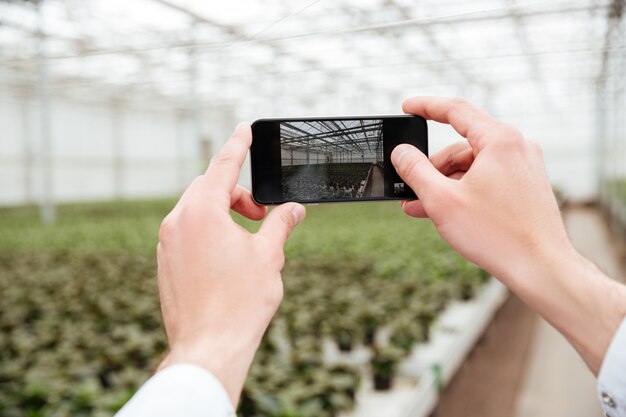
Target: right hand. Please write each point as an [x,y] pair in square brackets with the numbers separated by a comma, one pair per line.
[491,200]
[489,197]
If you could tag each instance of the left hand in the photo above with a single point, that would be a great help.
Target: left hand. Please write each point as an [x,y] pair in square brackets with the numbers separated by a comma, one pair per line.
[220,285]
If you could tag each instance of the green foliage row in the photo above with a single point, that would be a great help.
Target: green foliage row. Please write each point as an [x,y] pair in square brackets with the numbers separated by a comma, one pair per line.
[78,334]
[81,328]
[111,227]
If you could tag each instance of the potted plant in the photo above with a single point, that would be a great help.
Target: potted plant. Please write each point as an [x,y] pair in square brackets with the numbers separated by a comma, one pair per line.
[369,319]
[298,324]
[346,379]
[409,286]
[344,333]
[384,363]
[329,390]
[424,315]
[438,294]
[405,333]
[306,355]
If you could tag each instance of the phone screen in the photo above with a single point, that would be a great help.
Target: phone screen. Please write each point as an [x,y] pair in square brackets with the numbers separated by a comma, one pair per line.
[332,159]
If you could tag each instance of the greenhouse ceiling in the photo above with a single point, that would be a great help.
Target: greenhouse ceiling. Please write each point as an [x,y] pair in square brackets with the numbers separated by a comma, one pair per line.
[333,135]
[288,54]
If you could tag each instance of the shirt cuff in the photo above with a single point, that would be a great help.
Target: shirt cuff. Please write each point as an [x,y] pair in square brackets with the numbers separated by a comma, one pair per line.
[612,376]
[183,390]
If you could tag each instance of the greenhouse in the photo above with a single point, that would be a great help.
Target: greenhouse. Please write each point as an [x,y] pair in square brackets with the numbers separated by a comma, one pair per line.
[111,109]
[332,159]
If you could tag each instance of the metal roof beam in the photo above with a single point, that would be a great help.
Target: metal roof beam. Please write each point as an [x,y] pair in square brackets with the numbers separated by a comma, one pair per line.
[445,52]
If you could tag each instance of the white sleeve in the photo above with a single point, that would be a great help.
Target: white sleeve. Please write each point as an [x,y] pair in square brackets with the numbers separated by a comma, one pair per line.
[612,376]
[180,390]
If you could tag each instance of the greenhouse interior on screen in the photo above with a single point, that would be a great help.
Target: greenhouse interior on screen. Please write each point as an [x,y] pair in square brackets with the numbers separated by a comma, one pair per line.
[110,108]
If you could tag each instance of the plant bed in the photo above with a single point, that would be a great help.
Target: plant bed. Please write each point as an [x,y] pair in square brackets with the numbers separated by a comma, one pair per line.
[431,365]
[81,327]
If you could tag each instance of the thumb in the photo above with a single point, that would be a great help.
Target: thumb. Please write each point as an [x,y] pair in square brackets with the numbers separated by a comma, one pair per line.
[279,224]
[416,170]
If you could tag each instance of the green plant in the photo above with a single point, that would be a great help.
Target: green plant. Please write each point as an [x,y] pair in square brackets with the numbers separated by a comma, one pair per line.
[346,379]
[384,364]
[405,333]
[345,333]
[369,317]
[306,356]
[80,327]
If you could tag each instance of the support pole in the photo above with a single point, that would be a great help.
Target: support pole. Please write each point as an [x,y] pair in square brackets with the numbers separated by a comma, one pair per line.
[47,208]
[117,141]
[27,148]
[601,142]
[194,104]
[619,127]
[621,105]
[181,157]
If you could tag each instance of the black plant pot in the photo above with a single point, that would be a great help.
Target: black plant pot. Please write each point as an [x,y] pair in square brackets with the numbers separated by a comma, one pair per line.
[369,336]
[344,345]
[467,292]
[382,382]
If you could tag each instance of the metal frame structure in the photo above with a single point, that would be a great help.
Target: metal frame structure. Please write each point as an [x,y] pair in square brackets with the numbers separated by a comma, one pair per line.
[440,59]
[333,136]
[314,56]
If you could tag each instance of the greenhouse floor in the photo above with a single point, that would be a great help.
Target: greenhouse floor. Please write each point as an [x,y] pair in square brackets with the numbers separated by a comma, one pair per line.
[557,382]
[525,367]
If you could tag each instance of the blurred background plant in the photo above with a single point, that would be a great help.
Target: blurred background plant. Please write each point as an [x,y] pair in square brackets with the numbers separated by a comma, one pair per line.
[80,319]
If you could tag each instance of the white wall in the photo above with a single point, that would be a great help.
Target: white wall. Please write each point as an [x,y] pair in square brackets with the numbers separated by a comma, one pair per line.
[294,157]
[103,151]
[159,154]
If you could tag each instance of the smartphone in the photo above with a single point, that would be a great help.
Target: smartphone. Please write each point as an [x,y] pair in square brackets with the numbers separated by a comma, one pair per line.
[331,159]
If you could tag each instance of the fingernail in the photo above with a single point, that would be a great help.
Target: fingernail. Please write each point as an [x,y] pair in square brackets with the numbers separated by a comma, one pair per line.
[241,125]
[297,212]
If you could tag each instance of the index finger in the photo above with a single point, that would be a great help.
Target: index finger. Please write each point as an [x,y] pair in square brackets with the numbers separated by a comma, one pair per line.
[223,171]
[469,121]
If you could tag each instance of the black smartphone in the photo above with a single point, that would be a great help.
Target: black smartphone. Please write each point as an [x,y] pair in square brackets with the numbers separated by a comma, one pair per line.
[331,159]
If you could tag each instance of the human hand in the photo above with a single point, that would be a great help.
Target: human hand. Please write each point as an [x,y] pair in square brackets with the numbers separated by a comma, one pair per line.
[220,285]
[489,197]
[491,200]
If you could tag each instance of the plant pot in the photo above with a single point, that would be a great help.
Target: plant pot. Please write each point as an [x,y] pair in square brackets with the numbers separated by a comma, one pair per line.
[344,345]
[382,382]
[344,339]
[384,363]
[369,336]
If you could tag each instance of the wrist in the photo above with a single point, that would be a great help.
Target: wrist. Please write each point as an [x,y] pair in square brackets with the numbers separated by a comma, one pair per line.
[575,297]
[228,361]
